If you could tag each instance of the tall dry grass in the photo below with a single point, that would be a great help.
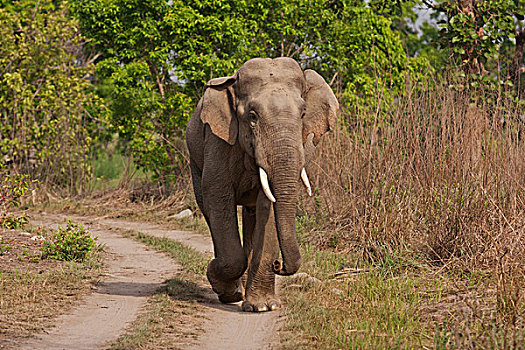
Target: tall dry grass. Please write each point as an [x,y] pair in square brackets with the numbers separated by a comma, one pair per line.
[440,174]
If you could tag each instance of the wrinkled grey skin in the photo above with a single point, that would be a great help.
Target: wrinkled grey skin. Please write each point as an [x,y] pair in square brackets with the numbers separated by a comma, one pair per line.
[270,114]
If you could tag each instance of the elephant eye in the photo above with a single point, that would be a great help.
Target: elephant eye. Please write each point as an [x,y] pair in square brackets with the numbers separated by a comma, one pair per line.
[252,118]
[302,115]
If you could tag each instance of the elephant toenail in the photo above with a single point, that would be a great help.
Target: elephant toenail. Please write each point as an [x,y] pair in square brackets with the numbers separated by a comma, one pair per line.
[261,308]
[273,305]
[247,306]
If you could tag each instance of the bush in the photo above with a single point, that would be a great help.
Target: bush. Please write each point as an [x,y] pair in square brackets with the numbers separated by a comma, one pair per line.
[72,243]
[12,188]
[47,102]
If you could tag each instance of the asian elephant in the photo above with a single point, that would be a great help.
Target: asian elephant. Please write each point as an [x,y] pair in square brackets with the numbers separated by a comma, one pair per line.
[248,140]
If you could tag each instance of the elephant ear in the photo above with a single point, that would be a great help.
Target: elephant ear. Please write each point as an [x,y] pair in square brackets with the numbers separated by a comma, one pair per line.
[218,108]
[321,107]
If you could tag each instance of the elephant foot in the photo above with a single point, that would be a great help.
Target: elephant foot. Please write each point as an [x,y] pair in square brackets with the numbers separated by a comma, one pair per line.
[233,297]
[228,292]
[270,305]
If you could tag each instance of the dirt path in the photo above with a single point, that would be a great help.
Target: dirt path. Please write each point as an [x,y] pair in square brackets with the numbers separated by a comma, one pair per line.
[227,326]
[135,273]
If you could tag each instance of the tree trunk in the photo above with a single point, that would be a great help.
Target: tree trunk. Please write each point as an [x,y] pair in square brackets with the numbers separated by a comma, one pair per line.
[515,69]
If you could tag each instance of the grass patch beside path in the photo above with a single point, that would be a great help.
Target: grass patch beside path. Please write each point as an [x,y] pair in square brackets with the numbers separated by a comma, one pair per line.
[392,304]
[31,298]
[191,260]
[367,309]
[166,323]
[173,317]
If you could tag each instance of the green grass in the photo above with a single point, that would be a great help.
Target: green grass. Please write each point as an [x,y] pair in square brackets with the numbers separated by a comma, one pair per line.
[393,303]
[369,307]
[112,168]
[190,259]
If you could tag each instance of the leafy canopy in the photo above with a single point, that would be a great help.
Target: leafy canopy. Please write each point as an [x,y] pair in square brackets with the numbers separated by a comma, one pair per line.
[157,55]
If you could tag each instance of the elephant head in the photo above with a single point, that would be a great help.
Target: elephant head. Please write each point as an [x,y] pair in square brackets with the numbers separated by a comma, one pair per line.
[274,111]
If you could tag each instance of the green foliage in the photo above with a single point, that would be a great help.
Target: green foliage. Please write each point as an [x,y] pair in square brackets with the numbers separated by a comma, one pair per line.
[419,39]
[70,243]
[12,188]
[10,221]
[348,42]
[156,56]
[481,37]
[476,33]
[45,97]
[4,246]
[149,48]
[370,57]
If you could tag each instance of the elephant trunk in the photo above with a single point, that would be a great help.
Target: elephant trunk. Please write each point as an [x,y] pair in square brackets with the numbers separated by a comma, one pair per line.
[286,165]
[285,223]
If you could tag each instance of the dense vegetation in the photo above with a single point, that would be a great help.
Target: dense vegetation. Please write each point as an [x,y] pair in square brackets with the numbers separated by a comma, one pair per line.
[427,164]
[76,74]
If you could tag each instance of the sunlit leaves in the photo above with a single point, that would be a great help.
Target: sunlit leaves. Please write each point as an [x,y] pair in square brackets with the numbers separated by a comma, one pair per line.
[44,93]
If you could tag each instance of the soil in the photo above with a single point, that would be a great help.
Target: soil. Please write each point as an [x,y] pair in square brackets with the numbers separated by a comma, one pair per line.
[134,274]
[24,251]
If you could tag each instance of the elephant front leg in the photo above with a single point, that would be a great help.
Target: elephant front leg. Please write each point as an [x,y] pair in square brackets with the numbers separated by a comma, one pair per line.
[226,269]
[260,284]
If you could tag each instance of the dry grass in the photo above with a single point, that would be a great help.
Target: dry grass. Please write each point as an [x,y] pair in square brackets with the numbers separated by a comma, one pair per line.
[33,291]
[439,179]
[136,201]
[437,175]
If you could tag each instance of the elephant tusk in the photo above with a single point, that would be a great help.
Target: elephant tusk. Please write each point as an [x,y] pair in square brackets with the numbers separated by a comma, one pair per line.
[304,177]
[265,185]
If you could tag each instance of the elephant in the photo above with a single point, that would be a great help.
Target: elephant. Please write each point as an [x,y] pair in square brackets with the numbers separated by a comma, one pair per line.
[248,139]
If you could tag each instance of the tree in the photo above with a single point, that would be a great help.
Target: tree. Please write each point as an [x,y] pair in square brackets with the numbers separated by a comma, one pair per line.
[156,56]
[477,32]
[419,39]
[45,94]
[347,41]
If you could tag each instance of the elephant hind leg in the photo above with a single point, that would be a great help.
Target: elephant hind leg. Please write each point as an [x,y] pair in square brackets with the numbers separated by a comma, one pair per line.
[196,178]
[248,226]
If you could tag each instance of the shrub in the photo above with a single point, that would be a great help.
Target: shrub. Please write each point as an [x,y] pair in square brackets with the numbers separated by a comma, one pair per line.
[47,99]
[12,188]
[72,243]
